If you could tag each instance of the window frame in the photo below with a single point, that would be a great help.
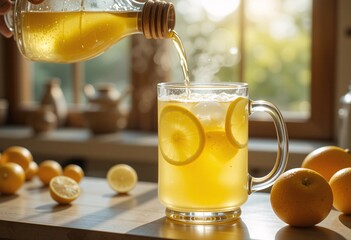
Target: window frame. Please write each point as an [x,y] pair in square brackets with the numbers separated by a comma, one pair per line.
[323,80]
[319,125]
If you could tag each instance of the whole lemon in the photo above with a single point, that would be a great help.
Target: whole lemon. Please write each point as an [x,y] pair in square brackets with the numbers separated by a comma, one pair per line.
[301,197]
[47,170]
[17,154]
[31,171]
[74,171]
[327,160]
[11,178]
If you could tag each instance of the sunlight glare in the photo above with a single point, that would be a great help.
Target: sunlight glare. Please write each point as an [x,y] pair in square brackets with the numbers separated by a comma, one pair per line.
[219,9]
[261,9]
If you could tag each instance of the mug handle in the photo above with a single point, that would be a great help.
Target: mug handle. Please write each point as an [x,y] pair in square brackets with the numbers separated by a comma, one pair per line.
[257,184]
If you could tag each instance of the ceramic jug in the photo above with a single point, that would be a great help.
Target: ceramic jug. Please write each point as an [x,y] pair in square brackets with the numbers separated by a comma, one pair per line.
[53,96]
[104,113]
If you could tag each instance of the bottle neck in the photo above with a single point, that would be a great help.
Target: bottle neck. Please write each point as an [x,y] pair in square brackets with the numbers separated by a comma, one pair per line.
[157,19]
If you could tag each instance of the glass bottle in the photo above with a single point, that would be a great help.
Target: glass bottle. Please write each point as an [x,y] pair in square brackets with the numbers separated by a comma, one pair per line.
[344,134]
[77,30]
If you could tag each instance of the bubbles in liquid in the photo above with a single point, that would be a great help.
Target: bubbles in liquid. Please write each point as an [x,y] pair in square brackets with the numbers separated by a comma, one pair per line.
[211,114]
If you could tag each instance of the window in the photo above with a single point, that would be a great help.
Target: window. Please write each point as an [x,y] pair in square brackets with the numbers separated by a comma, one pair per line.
[318,32]
[111,66]
[285,50]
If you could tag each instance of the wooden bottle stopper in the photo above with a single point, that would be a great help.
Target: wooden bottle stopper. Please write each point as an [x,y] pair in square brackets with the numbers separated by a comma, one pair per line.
[157,19]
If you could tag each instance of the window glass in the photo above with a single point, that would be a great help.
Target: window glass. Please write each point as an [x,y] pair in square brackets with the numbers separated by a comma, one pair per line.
[44,71]
[112,66]
[278,53]
[210,34]
[270,47]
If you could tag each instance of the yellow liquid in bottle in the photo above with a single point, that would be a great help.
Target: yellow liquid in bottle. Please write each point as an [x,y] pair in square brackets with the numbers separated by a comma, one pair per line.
[66,37]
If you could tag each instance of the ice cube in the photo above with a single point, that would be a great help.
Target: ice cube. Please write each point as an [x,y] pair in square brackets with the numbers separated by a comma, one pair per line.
[210,114]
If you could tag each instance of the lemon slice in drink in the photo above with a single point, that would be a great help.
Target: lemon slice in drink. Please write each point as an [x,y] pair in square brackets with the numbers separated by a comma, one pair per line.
[64,190]
[122,178]
[219,147]
[181,135]
[236,122]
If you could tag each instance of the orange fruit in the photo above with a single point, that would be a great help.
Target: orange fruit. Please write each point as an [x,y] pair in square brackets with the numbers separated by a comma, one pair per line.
[327,160]
[48,170]
[64,190]
[122,178]
[301,197]
[340,184]
[31,171]
[19,155]
[11,178]
[74,171]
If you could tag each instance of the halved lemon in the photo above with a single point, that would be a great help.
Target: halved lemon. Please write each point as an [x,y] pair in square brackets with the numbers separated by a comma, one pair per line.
[181,135]
[236,122]
[122,178]
[64,190]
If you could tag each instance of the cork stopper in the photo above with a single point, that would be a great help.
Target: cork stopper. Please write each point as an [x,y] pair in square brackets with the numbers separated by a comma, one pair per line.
[157,19]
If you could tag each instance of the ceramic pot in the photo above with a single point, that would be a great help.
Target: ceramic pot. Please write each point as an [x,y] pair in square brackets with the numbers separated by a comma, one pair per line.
[105,95]
[42,119]
[53,96]
[102,121]
[3,111]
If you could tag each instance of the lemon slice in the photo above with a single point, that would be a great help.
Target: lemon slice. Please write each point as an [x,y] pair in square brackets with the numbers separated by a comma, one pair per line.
[181,135]
[236,122]
[122,178]
[64,190]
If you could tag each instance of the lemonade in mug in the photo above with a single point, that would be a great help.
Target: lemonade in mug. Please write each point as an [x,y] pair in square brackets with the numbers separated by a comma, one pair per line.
[203,150]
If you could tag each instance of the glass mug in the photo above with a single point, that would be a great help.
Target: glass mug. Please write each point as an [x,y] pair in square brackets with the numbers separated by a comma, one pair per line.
[203,150]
